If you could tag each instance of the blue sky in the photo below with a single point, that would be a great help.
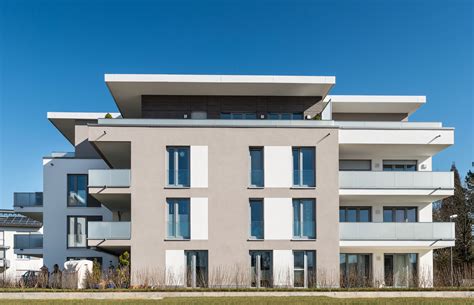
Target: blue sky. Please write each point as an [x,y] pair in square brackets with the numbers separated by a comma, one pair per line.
[53,55]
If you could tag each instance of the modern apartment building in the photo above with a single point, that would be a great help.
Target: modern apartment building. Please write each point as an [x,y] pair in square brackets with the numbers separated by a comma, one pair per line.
[17,232]
[212,180]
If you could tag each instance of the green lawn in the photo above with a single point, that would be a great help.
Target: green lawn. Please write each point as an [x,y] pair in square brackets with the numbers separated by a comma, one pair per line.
[249,300]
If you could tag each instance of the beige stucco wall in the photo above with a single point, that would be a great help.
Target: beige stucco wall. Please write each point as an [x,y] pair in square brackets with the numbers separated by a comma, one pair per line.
[228,193]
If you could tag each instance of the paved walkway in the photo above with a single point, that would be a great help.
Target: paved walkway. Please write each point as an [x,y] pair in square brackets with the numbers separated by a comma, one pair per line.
[160,295]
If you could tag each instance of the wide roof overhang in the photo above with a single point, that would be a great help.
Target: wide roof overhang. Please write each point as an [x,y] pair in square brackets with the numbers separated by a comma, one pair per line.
[127,89]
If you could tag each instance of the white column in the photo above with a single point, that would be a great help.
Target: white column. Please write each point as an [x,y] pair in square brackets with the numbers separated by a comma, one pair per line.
[175,267]
[199,218]
[278,218]
[278,164]
[425,265]
[283,263]
[199,166]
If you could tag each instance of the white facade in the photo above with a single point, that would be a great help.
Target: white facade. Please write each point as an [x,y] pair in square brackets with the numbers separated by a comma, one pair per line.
[13,265]
[56,211]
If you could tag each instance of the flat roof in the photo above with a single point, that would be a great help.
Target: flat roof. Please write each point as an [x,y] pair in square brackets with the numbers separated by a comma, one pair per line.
[127,89]
[65,122]
[375,103]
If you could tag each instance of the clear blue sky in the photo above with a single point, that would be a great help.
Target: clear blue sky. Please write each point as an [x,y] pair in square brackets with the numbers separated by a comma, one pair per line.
[54,54]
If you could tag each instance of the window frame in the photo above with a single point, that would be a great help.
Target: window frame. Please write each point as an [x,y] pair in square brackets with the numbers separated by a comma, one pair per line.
[405,213]
[176,223]
[259,201]
[176,169]
[404,163]
[90,200]
[306,278]
[346,267]
[262,150]
[234,113]
[357,208]
[68,227]
[193,267]
[301,169]
[301,219]
[280,114]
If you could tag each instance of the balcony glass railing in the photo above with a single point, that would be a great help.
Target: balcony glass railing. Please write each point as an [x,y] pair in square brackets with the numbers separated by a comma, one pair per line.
[396,231]
[28,241]
[395,180]
[33,199]
[109,178]
[108,230]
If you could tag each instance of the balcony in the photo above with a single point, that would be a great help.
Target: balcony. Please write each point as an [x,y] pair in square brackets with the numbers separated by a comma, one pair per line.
[28,244]
[29,204]
[396,234]
[108,230]
[418,186]
[106,178]
[111,236]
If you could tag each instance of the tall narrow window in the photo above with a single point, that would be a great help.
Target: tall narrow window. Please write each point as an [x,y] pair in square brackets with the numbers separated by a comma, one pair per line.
[77,192]
[77,230]
[304,218]
[304,269]
[178,166]
[256,219]
[178,218]
[261,264]
[256,166]
[196,269]
[303,166]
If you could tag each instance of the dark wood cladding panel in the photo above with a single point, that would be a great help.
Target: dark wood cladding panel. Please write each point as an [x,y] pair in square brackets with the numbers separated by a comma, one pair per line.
[175,107]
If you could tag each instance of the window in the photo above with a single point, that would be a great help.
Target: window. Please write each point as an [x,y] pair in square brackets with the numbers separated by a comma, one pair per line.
[285,116]
[399,165]
[77,230]
[355,165]
[355,270]
[256,219]
[303,166]
[178,218]
[196,268]
[400,214]
[77,194]
[238,116]
[304,219]
[355,214]
[256,166]
[400,270]
[261,263]
[178,166]
[304,269]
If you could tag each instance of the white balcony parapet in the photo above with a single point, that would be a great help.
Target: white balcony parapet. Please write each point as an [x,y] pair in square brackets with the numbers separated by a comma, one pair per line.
[395,180]
[396,231]
[119,230]
[109,178]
